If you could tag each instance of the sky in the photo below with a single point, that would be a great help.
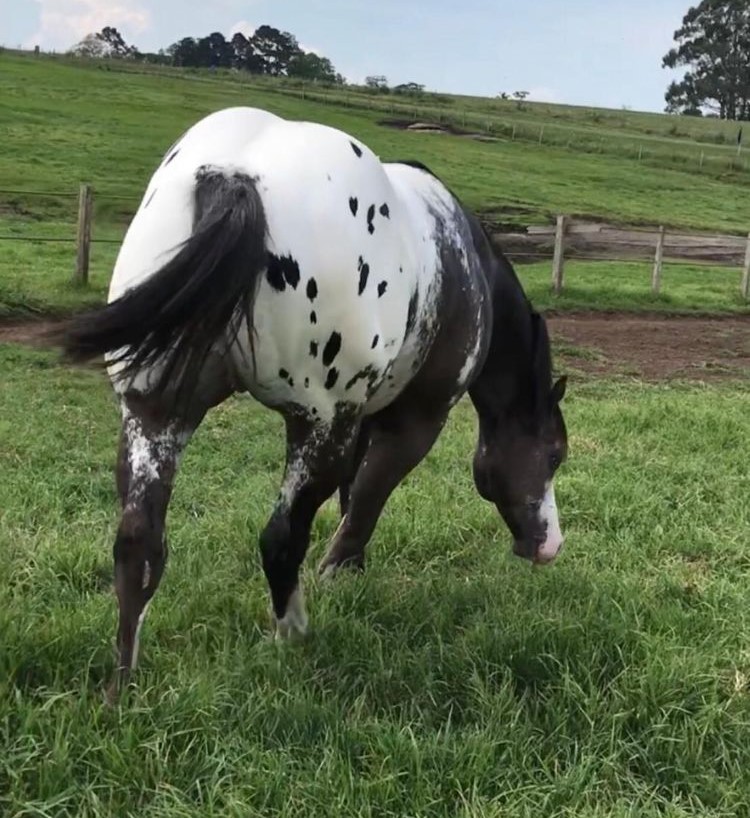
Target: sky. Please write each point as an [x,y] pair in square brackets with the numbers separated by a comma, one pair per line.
[605,53]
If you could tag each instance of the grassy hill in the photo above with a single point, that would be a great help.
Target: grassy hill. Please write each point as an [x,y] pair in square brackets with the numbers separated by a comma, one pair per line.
[109,124]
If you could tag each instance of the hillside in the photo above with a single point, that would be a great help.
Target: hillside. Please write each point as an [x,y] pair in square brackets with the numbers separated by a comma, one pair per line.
[74,122]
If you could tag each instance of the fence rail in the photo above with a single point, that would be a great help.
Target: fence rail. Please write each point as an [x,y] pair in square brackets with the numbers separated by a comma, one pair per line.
[566,240]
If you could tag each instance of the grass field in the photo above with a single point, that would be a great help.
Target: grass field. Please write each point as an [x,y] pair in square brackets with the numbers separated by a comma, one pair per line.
[452,680]
[71,123]
[60,137]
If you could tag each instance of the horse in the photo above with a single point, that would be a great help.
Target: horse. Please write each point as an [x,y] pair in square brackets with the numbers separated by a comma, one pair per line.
[356,297]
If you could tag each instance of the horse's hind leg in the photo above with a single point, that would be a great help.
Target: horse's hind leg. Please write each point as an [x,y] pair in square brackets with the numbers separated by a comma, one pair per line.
[318,455]
[152,441]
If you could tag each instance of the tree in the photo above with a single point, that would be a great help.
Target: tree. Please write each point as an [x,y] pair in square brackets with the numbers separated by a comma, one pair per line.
[185,52]
[240,48]
[90,46]
[273,51]
[377,82]
[218,51]
[105,43]
[409,88]
[115,44]
[519,97]
[313,67]
[714,44]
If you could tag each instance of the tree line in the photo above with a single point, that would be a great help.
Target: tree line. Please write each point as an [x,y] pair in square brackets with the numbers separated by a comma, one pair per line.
[267,51]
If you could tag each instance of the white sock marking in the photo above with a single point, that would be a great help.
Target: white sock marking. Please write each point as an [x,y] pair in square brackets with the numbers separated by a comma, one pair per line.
[294,621]
[136,641]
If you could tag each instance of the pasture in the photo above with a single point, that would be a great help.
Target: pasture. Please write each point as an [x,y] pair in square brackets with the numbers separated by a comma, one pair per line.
[451,679]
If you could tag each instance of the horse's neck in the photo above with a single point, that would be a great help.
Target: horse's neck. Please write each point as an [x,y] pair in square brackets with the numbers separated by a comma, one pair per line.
[507,372]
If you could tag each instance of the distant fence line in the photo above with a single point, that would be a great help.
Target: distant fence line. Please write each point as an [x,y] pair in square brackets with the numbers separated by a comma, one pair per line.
[666,149]
[531,246]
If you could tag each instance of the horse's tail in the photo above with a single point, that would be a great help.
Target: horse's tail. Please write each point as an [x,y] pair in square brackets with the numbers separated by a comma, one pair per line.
[196,300]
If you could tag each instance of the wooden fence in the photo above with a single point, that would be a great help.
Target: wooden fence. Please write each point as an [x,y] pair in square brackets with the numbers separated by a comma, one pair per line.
[566,239]
[570,239]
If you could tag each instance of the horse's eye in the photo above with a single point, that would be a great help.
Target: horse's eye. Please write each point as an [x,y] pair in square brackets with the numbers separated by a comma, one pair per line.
[554,461]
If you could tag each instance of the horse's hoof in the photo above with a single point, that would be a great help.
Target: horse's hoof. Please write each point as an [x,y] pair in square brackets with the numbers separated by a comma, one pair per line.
[113,691]
[331,566]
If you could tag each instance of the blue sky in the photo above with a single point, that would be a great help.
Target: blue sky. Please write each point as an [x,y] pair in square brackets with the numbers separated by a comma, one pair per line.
[588,52]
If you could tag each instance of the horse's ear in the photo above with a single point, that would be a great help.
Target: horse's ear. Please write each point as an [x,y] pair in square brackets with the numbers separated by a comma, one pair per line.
[558,390]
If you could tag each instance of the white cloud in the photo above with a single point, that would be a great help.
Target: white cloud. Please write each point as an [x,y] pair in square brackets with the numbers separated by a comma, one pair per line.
[243,27]
[63,23]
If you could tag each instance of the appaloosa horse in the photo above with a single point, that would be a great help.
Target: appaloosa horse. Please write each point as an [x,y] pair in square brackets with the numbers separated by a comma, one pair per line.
[357,298]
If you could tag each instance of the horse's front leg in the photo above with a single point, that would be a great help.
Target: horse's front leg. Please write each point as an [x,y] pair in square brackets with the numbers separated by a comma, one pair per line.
[399,438]
[318,456]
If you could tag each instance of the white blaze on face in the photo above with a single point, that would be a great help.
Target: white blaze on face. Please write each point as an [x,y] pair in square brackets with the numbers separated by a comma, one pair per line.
[553,540]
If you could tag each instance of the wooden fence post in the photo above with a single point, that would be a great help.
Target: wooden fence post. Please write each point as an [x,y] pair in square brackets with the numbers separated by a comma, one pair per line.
[746,273]
[83,239]
[658,259]
[559,256]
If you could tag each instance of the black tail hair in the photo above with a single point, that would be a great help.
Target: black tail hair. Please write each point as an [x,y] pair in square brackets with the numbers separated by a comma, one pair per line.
[197,299]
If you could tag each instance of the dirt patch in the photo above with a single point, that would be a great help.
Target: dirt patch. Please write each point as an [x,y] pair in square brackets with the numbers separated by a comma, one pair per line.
[30,331]
[653,346]
[436,128]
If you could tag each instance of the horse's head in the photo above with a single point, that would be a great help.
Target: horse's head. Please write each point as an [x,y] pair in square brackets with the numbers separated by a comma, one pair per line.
[521,445]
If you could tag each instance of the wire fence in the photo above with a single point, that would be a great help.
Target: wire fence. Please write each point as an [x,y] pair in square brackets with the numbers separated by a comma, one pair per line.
[563,245]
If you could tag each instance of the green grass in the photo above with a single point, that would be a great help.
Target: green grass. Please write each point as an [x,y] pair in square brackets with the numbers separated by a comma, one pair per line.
[605,286]
[76,122]
[37,276]
[451,680]
[38,280]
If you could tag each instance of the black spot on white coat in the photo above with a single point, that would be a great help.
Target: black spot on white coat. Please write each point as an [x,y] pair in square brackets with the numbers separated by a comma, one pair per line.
[331,349]
[369,373]
[356,149]
[312,289]
[382,287]
[371,219]
[313,317]
[282,271]
[275,278]
[364,272]
[313,349]
[384,211]
[353,205]
[332,377]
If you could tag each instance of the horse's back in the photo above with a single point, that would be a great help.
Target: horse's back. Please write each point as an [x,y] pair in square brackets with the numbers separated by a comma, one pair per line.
[348,251]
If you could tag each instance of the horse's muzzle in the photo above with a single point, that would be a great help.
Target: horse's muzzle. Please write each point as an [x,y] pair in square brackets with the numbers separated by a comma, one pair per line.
[540,553]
